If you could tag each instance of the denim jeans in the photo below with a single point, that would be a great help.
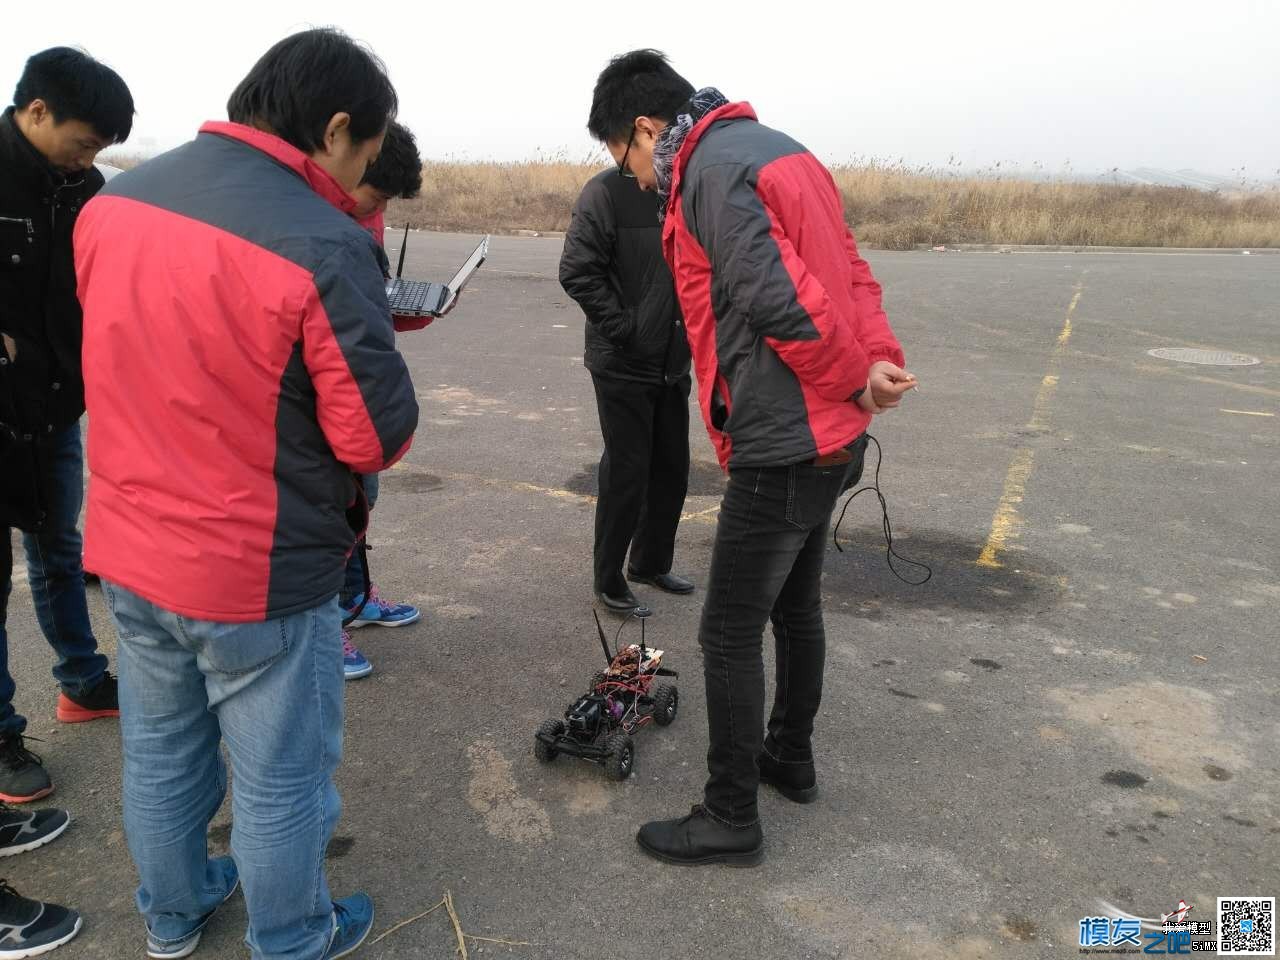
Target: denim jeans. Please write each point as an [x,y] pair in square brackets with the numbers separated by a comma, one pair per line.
[57,579]
[766,565]
[353,584]
[272,691]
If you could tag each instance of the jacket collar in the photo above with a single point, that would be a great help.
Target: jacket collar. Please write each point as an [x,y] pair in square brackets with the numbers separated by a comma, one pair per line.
[730,111]
[28,164]
[287,155]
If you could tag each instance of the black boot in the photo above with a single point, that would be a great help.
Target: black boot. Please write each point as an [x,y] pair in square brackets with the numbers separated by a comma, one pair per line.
[699,838]
[796,781]
[623,603]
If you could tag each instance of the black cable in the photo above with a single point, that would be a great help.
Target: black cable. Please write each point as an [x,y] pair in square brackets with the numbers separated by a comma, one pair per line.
[618,636]
[890,554]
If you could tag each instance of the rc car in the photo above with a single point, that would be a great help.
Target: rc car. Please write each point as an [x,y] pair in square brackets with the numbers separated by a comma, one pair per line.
[626,696]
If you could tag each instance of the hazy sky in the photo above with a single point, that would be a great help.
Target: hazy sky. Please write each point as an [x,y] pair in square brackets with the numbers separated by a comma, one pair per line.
[1093,84]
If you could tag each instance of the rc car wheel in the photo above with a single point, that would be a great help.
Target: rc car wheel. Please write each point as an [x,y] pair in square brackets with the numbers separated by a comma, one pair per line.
[622,754]
[543,751]
[666,701]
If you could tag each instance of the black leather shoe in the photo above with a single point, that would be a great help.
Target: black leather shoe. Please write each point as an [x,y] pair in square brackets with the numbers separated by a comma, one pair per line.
[663,581]
[795,781]
[624,604]
[698,838]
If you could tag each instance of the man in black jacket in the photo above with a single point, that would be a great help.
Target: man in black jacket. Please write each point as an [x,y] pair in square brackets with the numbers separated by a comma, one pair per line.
[67,107]
[639,361]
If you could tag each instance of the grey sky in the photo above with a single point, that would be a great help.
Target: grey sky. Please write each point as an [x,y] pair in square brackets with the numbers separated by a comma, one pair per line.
[1096,84]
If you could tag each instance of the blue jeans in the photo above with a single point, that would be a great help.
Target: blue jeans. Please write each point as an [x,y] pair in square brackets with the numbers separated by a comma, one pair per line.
[353,585]
[57,579]
[273,692]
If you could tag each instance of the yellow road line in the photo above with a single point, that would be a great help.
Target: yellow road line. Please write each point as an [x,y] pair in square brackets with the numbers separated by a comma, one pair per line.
[1040,412]
[1049,385]
[1007,521]
[1247,413]
[1065,335]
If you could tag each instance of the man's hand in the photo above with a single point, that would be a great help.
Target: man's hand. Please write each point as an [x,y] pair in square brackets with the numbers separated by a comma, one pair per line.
[10,347]
[886,383]
[449,309]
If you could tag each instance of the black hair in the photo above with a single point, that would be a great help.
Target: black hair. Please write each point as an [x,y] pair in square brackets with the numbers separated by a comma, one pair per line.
[636,84]
[398,170]
[301,82]
[74,86]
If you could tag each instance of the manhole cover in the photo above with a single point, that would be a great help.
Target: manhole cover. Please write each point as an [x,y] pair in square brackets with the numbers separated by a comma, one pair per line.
[1218,358]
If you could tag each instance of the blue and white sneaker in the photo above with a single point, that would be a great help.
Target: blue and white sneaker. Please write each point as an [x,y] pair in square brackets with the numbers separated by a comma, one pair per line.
[383,613]
[352,921]
[354,664]
[185,945]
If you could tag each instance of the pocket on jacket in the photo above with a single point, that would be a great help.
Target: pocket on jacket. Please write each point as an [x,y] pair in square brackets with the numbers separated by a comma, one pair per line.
[719,403]
[15,242]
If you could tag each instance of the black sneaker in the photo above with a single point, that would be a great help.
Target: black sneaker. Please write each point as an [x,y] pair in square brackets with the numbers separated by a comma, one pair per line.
[29,928]
[23,830]
[100,700]
[22,773]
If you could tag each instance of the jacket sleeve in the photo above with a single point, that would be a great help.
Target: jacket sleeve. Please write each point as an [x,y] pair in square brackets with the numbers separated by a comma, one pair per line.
[874,332]
[365,401]
[584,264]
[756,266]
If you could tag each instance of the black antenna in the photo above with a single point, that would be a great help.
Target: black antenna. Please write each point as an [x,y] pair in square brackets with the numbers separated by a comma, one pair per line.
[608,657]
[404,245]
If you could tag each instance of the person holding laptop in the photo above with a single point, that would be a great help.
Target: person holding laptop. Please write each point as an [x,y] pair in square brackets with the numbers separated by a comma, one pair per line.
[396,173]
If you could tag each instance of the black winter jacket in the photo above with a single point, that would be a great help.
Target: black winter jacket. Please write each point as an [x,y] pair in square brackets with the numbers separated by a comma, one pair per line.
[612,266]
[41,387]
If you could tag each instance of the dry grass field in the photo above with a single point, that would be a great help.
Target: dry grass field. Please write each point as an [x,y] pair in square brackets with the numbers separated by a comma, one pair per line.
[889,206]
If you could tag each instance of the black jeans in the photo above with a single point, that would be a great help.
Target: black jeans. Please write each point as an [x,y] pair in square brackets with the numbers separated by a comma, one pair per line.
[766,566]
[644,475]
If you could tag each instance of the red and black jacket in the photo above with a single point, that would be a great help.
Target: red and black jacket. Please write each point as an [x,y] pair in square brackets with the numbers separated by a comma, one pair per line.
[239,365]
[783,317]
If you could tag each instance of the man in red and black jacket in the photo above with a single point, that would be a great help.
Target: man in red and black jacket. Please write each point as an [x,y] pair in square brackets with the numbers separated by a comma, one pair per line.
[793,355]
[240,368]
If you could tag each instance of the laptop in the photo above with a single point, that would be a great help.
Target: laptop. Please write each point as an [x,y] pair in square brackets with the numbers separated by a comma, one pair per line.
[420,298]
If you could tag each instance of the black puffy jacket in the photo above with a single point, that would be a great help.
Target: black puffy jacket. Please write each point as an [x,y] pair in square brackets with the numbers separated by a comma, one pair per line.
[41,387]
[612,266]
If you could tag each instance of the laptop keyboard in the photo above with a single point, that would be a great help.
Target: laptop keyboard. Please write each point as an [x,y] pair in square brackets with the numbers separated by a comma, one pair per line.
[408,296]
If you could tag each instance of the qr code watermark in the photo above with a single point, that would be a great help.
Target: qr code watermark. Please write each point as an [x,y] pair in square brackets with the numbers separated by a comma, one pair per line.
[1247,926]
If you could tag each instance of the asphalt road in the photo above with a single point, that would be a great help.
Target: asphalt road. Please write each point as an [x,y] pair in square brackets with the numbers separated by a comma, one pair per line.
[1090,713]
